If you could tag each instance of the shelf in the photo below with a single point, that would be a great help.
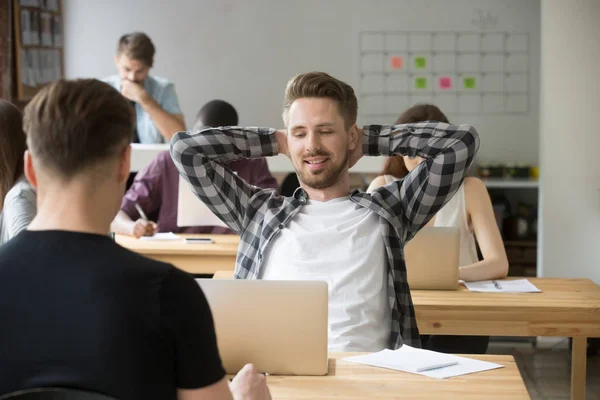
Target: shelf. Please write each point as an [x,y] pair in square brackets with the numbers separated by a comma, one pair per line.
[516,183]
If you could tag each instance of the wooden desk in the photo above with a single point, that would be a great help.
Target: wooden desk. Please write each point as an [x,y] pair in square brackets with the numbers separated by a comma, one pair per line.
[566,307]
[350,381]
[192,258]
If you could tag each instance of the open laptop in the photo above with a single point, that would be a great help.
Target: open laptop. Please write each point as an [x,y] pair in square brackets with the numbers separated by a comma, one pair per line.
[432,258]
[279,326]
[191,211]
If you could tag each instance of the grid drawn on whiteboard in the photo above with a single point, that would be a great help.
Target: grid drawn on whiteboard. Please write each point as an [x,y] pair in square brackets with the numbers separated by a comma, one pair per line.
[466,73]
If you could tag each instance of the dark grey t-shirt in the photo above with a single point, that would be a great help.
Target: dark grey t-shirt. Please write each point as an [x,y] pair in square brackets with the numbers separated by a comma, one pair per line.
[80,311]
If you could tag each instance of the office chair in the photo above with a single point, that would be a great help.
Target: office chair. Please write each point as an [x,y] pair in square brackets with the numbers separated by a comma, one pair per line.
[54,394]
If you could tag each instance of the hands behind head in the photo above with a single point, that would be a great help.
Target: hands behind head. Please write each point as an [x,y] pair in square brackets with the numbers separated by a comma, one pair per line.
[142,227]
[249,384]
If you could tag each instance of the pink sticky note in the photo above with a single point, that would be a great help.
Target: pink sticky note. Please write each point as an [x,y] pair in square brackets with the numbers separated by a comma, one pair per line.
[396,62]
[445,82]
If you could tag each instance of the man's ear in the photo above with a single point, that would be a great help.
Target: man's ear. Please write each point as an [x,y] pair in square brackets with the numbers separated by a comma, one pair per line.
[353,142]
[124,165]
[29,169]
[116,60]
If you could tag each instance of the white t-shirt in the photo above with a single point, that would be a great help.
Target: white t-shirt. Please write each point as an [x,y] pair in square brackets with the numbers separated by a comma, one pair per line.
[341,243]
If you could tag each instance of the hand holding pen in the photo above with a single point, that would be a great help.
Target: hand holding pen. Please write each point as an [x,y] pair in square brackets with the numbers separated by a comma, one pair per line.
[143,226]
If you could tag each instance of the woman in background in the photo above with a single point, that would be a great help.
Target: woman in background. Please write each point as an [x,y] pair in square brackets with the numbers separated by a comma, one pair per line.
[17,196]
[470,210]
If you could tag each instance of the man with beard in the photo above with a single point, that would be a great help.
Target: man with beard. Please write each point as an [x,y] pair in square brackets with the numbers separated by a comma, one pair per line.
[158,116]
[352,240]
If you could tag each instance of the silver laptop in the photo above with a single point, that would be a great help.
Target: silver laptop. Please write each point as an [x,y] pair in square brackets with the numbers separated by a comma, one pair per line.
[279,326]
[432,258]
[191,211]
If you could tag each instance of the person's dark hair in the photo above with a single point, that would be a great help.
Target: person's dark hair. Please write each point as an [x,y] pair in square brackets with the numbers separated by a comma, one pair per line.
[75,124]
[216,113]
[12,147]
[394,165]
[137,46]
[320,84]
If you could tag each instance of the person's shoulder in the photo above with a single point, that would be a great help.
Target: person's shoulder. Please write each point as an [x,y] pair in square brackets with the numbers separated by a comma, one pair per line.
[163,162]
[163,157]
[473,184]
[159,81]
[113,80]
[139,263]
[377,183]
[476,193]
[13,249]
[21,190]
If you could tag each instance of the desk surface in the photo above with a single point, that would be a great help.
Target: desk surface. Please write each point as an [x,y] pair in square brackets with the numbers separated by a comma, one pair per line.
[223,245]
[566,307]
[355,381]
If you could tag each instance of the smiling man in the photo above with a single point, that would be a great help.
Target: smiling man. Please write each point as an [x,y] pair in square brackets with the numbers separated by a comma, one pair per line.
[353,241]
[158,116]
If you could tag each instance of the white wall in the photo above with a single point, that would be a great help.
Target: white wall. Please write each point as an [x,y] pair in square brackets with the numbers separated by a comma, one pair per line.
[570,139]
[245,51]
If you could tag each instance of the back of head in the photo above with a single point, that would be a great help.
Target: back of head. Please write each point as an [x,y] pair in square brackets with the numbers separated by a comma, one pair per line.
[394,165]
[137,46]
[12,147]
[322,85]
[75,125]
[216,113]
[422,112]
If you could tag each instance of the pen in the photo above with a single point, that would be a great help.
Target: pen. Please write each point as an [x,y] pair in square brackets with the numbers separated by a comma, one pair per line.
[497,285]
[141,212]
[437,366]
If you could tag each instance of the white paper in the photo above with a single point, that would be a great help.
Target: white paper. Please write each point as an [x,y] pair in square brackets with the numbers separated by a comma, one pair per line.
[502,286]
[412,360]
[191,211]
[161,236]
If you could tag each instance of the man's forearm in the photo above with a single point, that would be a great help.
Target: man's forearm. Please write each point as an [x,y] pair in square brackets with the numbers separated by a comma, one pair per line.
[423,139]
[226,145]
[167,124]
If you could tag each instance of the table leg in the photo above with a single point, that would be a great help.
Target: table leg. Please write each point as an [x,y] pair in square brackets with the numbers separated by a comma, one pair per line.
[578,367]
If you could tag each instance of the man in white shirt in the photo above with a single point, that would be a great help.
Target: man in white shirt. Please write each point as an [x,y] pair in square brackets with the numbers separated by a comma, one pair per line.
[354,241]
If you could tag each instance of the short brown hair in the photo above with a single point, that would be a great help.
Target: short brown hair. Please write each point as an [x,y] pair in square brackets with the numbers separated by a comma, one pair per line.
[394,165]
[74,124]
[420,113]
[137,46]
[320,84]
[12,147]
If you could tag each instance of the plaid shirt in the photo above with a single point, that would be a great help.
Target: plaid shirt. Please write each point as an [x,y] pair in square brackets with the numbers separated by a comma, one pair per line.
[403,206]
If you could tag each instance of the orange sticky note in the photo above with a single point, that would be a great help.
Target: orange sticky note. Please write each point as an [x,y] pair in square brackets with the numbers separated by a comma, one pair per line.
[396,62]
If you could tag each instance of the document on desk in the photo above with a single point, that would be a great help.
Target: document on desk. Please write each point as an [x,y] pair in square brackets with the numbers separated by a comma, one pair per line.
[423,362]
[161,236]
[502,286]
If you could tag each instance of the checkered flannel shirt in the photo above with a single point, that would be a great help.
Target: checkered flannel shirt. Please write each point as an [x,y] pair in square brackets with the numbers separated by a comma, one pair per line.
[403,206]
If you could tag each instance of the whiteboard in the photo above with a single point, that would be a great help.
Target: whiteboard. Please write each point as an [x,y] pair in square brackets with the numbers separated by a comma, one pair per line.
[246,51]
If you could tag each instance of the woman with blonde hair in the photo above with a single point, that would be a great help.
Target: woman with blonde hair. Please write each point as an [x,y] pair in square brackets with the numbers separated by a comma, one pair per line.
[17,196]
